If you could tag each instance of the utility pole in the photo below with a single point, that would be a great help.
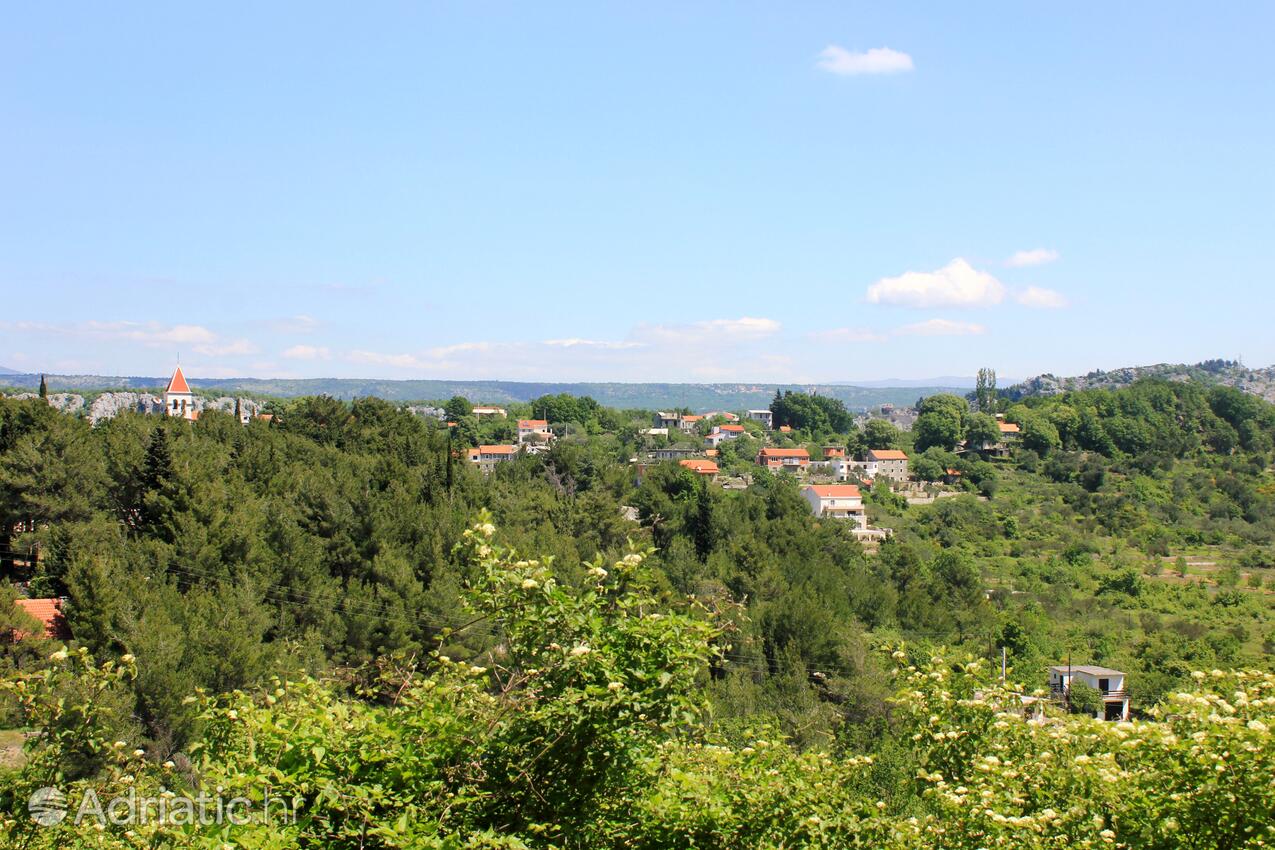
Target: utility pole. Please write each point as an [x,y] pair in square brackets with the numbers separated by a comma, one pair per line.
[1067,685]
[450,430]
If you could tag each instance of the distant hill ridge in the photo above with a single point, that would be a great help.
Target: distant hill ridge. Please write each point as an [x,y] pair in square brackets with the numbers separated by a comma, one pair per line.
[700,397]
[1259,382]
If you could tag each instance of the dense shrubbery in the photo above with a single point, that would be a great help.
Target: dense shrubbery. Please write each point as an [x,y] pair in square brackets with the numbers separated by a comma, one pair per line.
[583,727]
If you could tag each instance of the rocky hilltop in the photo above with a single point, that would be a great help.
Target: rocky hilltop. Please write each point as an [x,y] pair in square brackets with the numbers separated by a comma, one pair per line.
[1259,382]
[111,404]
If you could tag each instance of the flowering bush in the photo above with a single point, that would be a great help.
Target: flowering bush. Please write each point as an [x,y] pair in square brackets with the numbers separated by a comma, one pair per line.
[582,727]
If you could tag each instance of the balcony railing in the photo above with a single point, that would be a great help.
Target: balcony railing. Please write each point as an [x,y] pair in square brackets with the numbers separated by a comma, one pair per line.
[1059,693]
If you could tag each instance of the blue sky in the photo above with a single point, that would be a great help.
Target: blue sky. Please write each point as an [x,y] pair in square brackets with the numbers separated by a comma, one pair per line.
[604,191]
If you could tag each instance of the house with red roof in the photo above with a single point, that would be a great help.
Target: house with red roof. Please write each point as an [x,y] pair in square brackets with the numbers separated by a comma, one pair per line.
[688,422]
[721,433]
[837,501]
[534,431]
[795,460]
[486,457]
[705,468]
[888,463]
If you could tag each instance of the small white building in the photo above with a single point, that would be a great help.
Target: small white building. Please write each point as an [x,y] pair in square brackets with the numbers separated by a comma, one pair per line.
[765,417]
[837,501]
[1109,683]
[480,412]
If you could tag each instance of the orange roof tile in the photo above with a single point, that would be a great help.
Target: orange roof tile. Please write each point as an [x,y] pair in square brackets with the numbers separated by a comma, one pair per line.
[886,454]
[773,452]
[177,384]
[690,417]
[836,491]
[497,450]
[703,467]
[1007,427]
[833,451]
[533,423]
[733,429]
[784,429]
[48,612]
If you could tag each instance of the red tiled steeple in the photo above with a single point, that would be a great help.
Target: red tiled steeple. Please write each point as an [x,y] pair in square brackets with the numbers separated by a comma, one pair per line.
[178,383]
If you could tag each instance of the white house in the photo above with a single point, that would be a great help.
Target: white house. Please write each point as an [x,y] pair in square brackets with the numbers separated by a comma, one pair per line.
[674,452]
[534,431]
[845,468]
[762,416]
[488,411]
[178,399]
[664,419]
[721,433]
[837,501]
[688,422]
[1109,683]
[486,457]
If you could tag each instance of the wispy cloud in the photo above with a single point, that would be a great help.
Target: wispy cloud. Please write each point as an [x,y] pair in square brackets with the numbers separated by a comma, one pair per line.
[1041,298]
[743,328]
[1032,257]
[941,327]
[299,324]
[576,342]
[958,284]
[307,352]
[879,60]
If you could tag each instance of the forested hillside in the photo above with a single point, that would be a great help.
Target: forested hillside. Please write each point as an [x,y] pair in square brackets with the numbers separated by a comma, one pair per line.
[336,603]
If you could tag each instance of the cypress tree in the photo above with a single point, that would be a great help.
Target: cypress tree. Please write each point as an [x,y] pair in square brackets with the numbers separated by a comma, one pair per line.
[44,388]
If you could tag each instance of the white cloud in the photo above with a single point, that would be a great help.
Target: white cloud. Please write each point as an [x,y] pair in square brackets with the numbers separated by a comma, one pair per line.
[1041,298]
[446,351]
[941,327]
[576,342]
[879,60]
[722,330]
[175,334]
[307,352]
[958,284]
[1033,257]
